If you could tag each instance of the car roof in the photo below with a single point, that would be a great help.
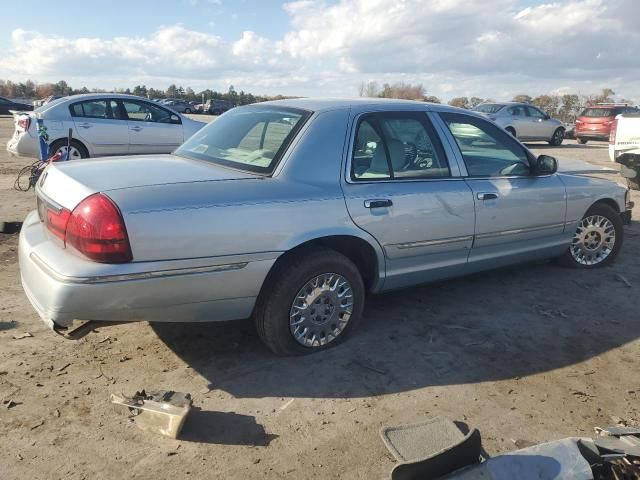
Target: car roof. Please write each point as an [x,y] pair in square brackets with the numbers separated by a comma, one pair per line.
[325,104]
[90,96]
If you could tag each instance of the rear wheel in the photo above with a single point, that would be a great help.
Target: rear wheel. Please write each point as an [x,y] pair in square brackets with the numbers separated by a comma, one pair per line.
[77,149]
[187,110]
[557,138]
[597,239]
[581,140]
[311,301]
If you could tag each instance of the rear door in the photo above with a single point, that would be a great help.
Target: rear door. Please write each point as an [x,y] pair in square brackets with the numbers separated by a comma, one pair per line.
[401,188]
[519,120]
[518,214]
[152,128]
[98,127]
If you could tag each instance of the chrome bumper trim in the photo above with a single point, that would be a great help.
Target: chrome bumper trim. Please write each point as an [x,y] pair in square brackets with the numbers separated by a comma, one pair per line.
[134,276]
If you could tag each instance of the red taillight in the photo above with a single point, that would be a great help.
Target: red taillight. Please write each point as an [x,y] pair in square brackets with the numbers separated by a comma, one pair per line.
[56,221]
[96,229]
[24,122]
[612,132]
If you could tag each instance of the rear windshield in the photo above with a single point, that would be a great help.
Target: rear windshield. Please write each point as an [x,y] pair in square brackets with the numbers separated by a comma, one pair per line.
[247,138]
[600,112]
[489,108]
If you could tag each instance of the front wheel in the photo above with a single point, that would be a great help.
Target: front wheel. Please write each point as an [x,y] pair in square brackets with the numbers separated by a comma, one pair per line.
[557,138]
[188,110]
[311,301]
[597,239]
[581,141]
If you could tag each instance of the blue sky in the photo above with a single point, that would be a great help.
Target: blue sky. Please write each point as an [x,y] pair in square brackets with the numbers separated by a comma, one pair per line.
[489,48]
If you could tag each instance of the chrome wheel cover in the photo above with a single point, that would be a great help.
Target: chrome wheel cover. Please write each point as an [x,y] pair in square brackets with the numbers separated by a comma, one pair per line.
[74,153]
[321,310]
[593,241]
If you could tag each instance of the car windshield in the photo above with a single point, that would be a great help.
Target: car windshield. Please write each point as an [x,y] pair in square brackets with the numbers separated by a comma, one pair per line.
[598,112]
[489,108]
[248,138]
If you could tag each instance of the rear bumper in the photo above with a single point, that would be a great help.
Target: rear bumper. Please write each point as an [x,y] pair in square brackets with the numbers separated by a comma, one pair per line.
[224,290]
[594,134]
[23,145]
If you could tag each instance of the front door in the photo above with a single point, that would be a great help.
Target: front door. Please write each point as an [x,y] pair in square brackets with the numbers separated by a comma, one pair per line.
[518,215]
[540,126]
[151,128]
[402,190]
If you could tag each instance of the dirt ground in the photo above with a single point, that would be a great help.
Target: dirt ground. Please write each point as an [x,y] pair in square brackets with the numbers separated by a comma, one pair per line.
[529,354]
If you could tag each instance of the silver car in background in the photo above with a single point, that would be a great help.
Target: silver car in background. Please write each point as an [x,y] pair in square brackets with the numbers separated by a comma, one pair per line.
[102,124]
[524,121]
[292,211]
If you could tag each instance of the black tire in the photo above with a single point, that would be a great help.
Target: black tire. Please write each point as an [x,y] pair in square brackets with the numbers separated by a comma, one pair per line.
[606,211]
[187,110]
[511,130]
[557,138]
[283,283]
[581,140]
[62,143]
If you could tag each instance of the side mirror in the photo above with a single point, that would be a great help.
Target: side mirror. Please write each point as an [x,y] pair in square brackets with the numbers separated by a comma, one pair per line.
[175,119]
[547,117]
[545,165]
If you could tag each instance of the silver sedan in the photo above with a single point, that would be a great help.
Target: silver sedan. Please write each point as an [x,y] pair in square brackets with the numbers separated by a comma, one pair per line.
[291,212]
[524,121]
[102,124]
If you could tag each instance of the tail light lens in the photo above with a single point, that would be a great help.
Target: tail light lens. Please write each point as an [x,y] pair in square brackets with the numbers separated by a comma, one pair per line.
[612,132]
[95,228]
[24,122]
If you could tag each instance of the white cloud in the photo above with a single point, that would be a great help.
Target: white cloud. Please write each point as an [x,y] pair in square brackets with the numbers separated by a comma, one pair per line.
[454,47]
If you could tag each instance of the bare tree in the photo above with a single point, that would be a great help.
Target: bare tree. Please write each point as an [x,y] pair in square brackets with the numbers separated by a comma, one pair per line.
[460,102]
[522,98]
[369,89]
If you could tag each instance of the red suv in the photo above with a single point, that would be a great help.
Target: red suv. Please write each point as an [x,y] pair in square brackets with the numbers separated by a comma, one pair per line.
[594,123]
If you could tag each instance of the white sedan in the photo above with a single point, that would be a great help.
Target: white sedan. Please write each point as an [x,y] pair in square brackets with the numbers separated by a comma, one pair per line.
[102,124]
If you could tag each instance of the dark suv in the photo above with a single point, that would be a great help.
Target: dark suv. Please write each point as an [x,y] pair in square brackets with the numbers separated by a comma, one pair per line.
[217,107]
[594,123]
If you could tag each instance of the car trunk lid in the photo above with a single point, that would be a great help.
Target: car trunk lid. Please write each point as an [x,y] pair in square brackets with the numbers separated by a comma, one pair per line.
[67,183]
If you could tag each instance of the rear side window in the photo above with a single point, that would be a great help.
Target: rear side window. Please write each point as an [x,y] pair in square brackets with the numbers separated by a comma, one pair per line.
[90,109]
[489,108]
[397,146]
[487,150]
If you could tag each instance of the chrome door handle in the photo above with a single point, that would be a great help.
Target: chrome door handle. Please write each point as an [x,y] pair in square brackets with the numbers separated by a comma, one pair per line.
[487,196]
[85,125]
[136,129]
[378,203]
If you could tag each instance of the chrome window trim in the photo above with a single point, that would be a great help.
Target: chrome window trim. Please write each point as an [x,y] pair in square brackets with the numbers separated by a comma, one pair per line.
[133,276]
[454,172]
[53,205]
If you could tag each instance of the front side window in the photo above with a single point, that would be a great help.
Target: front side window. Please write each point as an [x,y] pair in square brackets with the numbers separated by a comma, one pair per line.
[398,146]
[535,113]
[248,138]
[146,112]
[487,150]
[90,109]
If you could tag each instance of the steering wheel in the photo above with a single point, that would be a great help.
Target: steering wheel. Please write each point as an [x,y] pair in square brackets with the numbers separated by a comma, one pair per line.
[410,154]
[513,169]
